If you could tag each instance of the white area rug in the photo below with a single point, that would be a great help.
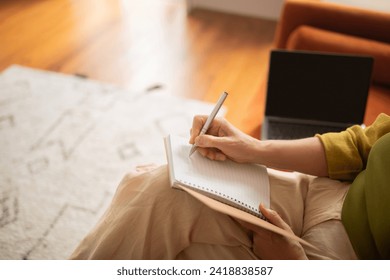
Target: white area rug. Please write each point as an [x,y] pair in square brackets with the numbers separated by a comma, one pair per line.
[65,143]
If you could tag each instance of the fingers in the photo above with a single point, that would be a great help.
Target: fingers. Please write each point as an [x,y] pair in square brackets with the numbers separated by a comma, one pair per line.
[274,218]
[208,147]
[208,141]
[197,124]
[211,145]
[213,154]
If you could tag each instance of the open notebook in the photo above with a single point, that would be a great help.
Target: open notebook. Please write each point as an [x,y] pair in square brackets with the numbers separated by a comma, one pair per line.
[227,187]
[243,186]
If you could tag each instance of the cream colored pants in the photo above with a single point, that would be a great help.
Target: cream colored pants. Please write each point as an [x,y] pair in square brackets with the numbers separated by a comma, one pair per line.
[147,219]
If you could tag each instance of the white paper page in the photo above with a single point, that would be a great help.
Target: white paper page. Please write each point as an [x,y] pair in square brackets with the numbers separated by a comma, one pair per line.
[246,183]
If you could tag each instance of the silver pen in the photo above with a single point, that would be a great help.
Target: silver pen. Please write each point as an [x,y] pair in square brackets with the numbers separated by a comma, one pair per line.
[210,118]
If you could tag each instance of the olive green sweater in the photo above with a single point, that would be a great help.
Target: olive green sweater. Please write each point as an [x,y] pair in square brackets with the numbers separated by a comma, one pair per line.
[363,156]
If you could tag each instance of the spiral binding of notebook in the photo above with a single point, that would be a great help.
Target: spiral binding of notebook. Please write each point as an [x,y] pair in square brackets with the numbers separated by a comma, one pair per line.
[224,198]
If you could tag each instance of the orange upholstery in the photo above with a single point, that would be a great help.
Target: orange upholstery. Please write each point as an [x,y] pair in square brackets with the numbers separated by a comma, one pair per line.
[322,26]
[311,38]
[333,17]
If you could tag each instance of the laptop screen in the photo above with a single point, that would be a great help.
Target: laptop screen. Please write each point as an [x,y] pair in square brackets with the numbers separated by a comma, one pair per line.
[318,86]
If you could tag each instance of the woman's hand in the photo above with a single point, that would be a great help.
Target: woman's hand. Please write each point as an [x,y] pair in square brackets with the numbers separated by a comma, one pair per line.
[222,141]
[272,246]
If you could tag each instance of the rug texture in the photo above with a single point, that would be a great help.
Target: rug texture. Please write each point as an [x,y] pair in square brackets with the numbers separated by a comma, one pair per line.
[65,143]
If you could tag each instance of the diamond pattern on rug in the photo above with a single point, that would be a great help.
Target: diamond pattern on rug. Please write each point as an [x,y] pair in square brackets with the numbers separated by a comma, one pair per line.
[65,144]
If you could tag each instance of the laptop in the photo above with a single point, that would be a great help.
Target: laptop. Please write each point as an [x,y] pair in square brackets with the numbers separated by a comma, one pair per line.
[314,92]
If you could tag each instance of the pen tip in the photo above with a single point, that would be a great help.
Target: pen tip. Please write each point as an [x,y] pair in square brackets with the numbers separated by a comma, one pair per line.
[193,149]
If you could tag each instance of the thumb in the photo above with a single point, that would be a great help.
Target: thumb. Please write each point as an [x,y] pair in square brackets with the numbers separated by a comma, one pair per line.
[274,218]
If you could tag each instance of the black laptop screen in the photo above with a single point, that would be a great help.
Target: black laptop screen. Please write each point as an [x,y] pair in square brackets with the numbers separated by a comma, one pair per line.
[318,86]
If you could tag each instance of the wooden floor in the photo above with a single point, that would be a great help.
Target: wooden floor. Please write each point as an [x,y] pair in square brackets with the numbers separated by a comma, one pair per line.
[141,44]
[150,44]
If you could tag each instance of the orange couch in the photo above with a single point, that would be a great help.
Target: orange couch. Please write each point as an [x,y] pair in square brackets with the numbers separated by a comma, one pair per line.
[322,26]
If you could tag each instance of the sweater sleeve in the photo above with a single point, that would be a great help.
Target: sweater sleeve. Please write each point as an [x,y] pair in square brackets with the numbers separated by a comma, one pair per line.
[347,152]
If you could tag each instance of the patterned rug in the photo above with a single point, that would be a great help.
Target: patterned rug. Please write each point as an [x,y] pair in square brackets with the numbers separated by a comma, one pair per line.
[65,143]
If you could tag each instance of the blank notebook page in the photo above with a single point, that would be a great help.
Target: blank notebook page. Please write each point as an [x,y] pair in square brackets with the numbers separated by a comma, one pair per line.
[244,184]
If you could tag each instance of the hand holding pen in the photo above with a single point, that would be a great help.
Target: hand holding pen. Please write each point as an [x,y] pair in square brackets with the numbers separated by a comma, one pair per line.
[210,119]
[223,140]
